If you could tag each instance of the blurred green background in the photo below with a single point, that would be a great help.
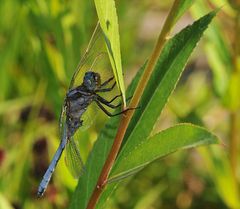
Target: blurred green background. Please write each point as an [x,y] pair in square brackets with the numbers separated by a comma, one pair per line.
[41,43]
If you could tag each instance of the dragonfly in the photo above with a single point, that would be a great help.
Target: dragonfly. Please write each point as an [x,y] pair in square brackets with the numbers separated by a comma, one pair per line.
[77,100]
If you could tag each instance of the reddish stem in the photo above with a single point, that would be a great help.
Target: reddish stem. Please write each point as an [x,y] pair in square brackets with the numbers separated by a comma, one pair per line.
[169,23]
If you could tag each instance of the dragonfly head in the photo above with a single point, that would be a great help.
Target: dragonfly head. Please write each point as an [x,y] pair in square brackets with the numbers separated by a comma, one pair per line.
[91,80]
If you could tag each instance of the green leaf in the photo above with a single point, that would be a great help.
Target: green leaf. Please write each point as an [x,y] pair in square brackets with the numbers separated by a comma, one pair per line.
[231,99]
[217,51]
[107,15]
[97,157]
[178,137]
[4,203]
[94,165]
[56,61]
[183,6]
[162,82]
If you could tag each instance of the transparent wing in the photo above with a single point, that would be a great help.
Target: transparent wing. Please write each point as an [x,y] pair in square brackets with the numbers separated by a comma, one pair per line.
[88,117]
[73,158]
[101,65]
[86,55]
[95,59]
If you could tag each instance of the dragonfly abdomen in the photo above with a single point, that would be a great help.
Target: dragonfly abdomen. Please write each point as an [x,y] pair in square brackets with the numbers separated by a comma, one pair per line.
[47,176]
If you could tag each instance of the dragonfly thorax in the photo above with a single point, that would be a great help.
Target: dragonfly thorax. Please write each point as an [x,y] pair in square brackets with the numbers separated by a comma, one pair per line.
[91,80]
[77,102]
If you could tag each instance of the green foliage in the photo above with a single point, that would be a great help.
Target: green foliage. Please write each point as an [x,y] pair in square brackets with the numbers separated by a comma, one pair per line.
[219,57]
[178,137]
[179,8]
[41,43]
[40,46]
[107,16]
[163,80]
[226,85]
[161,84]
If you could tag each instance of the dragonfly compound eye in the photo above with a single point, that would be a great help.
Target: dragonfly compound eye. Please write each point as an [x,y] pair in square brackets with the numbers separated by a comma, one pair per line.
[97,79]
[89,80]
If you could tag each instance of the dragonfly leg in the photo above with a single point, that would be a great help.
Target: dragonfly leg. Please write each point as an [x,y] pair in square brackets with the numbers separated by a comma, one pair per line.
[106,82]
[115,98]
[110,114]
[119,96]
[107,103]
[107,89]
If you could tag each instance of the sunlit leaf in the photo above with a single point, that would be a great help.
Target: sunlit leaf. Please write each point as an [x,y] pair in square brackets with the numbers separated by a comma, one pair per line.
[56,61]
[216,48]
[231,99]
[182,7]
[107,15]
[4,202]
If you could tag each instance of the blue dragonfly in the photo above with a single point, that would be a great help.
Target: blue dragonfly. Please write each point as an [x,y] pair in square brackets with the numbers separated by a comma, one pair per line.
[76,103]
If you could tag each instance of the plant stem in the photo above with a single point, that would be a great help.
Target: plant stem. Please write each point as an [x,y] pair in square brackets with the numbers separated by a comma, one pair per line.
[169,23]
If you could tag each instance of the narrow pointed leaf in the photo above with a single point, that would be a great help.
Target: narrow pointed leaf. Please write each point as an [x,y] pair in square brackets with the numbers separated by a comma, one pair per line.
[217,51]
[181,6]
[163,80]
[178,137]
[108,19]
